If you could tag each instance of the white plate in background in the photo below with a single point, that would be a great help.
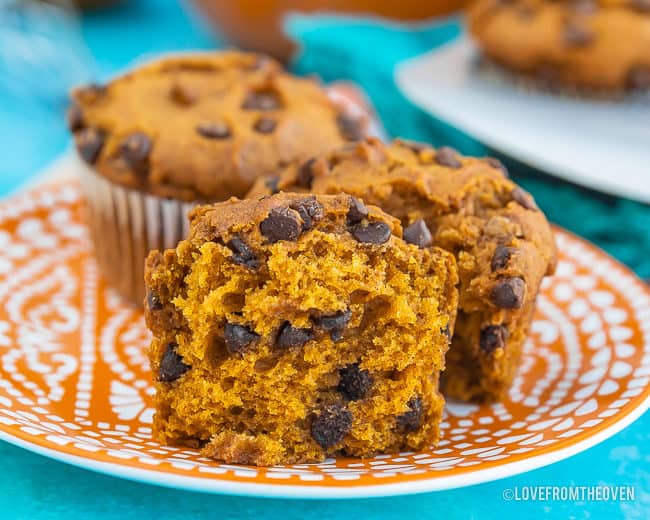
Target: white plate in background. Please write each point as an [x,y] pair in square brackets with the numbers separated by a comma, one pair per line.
[604,145]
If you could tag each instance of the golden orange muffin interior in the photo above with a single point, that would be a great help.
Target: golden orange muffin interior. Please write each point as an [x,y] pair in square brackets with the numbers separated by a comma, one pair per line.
[467,206]
[295,327]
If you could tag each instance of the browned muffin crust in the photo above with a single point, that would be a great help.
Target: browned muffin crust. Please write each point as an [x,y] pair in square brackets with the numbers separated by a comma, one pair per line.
[597,46]
[204,126]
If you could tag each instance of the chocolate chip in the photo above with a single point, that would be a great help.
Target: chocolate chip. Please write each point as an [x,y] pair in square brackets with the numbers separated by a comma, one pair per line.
[334,323]
[213,130]
[357,211]
[418,234]
[638,78]
[493,337]
[74,117]
[577,36]
[153,301]
[508,293]
[290,336]
[446,331]
[501,257]
[354,383]
[305,175]
[135,150]
[524,199]
[265,125]
[272,184]
[376,232]
[281,224]
[446,156]
[171,365]
[262,100]
[414,146]
[310,211]
[642,6]
[331,425]
[350,128]
[411,420]
[238,337]
[497,164]
[182,95]
[583,6]
[242,253]
[90,142]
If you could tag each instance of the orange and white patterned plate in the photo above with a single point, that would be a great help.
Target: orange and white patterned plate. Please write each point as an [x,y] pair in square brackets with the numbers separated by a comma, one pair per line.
[74,382]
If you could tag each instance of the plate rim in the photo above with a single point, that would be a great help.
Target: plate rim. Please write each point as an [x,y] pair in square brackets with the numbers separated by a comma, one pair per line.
[213,484]
[312,492]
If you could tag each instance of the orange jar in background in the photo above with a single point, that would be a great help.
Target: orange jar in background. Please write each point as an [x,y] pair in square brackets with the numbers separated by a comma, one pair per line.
[257,24]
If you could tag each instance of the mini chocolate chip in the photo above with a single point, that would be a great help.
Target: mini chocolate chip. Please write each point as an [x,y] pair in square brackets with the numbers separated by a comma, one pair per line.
[411,420]
[357,211]
[238,337]
[305,175]
[281,224]
[577,36]
[74,117]
[350,127]
[508,293]
[135,150]
[182,95]
[310,210]
[493,337]
[290,336]
[584,6]
[497,164]
[642,6]
[526,12]
[334,323]
[446,156]
[501,257]
[331,425]
[376,232]
[414,146]
[446,331]
[213,130]
[265,125]
[272,184]
[418,234]
[524,199]
[90,142]
[94,89]
[262,100]
[242,253]
[171,365]
[354,383]
[638,78]
[153,301]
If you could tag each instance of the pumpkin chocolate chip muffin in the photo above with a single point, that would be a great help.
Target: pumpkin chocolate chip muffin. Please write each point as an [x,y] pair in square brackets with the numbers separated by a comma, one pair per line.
[592,45]
[186,129]
[295,327]
[501,240]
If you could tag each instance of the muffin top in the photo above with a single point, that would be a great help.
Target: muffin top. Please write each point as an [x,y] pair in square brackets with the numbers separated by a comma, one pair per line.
[204,126]
[601,45]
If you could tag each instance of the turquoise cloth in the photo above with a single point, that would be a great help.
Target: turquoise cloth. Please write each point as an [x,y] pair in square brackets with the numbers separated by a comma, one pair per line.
[34,487]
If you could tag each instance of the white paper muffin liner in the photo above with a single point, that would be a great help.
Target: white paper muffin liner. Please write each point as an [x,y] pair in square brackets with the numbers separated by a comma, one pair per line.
[125,224]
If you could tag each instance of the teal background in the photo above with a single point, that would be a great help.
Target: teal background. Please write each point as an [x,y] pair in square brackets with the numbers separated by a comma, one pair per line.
[32,134]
